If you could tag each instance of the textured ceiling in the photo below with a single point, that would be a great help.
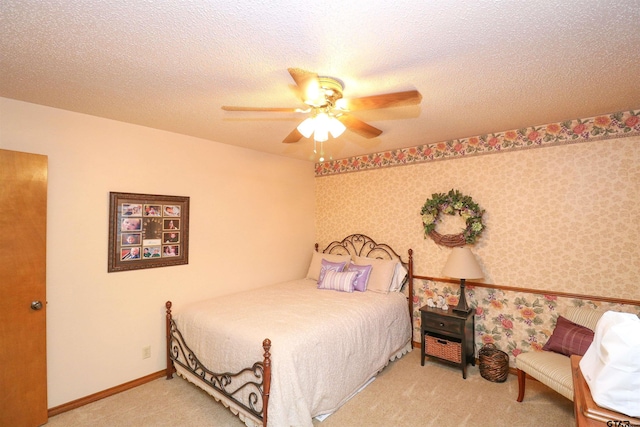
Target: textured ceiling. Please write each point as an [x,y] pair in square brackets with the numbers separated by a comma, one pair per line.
[481,66]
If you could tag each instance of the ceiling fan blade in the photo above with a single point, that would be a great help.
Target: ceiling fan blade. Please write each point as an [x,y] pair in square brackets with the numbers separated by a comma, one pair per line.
[302,77]
[395,99]
[307,81]
[359,127]
[276,109]
[294,136]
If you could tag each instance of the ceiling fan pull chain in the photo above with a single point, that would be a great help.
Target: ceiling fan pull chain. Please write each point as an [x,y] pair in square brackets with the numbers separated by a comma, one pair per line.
[321,159]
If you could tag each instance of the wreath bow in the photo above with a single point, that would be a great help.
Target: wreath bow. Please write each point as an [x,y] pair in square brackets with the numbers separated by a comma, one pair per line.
[451,203]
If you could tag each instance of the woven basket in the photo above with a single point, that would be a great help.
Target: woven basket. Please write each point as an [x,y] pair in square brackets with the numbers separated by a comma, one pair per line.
[494,363]
[444,349]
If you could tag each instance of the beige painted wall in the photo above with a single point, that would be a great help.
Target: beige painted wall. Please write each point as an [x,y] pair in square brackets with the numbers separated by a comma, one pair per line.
[252,223]
[561,218]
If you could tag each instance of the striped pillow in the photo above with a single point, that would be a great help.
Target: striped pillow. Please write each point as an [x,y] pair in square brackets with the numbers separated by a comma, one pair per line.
[569,338]
[338,281]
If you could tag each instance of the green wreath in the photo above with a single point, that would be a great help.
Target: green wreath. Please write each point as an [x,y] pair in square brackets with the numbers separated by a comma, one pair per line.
[451,203]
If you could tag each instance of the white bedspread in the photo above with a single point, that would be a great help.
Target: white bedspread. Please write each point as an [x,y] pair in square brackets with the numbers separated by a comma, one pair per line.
[325,344]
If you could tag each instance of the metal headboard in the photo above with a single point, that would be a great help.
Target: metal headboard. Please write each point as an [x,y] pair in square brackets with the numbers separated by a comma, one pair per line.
[364,246]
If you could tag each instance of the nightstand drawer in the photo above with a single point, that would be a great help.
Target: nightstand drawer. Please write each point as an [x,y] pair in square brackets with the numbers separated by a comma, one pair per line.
[443,324]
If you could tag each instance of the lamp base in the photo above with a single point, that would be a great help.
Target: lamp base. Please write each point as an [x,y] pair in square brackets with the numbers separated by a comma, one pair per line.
[462,306]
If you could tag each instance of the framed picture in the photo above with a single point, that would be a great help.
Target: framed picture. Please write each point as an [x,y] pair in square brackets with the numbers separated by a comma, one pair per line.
[147,231]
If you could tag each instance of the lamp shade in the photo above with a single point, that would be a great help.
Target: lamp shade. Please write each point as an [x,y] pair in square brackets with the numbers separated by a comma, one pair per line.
[336,128]
[307,127]
[462,264]
[321,132]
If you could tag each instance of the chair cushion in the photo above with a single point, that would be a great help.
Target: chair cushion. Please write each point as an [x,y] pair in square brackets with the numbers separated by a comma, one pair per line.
[551,369]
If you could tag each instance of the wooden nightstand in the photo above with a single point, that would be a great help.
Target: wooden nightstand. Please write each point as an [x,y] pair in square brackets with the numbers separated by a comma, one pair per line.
[449,336]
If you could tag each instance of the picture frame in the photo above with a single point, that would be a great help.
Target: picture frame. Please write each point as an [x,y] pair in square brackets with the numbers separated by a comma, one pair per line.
[147,231]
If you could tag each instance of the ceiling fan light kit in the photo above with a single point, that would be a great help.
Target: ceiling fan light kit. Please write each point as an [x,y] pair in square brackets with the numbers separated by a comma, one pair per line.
[330,112]
[320,126]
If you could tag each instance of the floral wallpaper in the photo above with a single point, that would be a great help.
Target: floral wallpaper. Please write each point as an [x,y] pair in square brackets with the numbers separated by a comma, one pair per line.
[558,219]
[568,132]
[514,322]
[563,219]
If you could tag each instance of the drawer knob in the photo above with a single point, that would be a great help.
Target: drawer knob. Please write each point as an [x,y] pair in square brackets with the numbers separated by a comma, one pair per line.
[441,324]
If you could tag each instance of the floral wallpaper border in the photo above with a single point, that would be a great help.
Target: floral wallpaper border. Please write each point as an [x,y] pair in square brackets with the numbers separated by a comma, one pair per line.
[515,322]
[614,125]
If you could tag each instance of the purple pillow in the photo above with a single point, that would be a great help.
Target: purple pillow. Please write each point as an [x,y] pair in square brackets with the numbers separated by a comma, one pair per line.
[328,265]
[364,271]
[569,338]
[338,281]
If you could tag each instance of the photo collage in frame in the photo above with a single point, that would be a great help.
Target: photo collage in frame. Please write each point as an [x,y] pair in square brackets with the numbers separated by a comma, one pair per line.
[147,231]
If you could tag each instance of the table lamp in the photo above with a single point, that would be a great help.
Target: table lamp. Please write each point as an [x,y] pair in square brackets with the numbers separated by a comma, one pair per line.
[462,265]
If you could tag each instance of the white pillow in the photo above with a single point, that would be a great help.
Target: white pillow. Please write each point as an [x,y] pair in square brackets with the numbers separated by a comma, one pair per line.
[611,366]
[381,273]
[316,263]
[399,275]
[338,281]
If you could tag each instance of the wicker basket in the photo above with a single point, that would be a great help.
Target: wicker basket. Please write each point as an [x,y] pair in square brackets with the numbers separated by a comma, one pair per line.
[494,363]
[444,349]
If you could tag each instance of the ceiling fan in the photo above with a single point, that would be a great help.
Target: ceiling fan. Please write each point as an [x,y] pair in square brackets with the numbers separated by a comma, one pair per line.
[329,111]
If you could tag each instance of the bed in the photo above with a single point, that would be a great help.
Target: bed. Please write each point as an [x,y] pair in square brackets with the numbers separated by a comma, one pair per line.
[283,354]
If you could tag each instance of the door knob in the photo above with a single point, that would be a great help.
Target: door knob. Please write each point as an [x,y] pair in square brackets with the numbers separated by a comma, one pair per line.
[36,305]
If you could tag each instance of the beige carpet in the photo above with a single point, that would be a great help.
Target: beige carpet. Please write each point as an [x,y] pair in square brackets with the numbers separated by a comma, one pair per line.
[404,394]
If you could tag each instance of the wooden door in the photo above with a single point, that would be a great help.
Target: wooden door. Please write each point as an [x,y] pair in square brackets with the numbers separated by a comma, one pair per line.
[23,219]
